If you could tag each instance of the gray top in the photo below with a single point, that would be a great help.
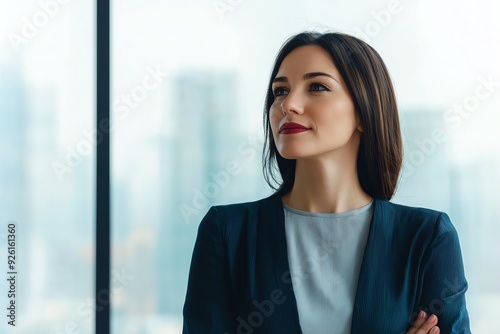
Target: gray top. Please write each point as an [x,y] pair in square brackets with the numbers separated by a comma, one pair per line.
[325,251]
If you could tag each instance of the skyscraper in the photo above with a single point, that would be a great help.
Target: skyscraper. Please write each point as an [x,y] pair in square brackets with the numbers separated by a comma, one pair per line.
[196,171]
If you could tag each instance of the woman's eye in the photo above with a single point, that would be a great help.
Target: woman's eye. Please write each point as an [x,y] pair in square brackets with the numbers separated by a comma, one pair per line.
[279,91]
[315,86]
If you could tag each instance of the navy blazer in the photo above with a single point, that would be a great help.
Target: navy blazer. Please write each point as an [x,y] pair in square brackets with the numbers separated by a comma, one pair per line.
[240,283]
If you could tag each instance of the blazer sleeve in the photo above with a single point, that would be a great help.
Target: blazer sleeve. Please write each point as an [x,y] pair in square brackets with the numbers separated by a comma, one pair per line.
[208,307]
[444,283]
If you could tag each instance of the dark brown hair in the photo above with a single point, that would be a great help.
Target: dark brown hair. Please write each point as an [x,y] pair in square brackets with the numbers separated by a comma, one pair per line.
[370,87]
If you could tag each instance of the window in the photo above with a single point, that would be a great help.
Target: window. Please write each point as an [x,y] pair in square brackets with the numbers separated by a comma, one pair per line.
[47,68]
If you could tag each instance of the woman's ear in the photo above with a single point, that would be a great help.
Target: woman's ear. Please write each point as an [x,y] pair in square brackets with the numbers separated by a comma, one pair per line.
[360,127]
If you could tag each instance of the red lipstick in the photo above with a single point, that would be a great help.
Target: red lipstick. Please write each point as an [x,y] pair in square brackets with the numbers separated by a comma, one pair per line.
[289,128]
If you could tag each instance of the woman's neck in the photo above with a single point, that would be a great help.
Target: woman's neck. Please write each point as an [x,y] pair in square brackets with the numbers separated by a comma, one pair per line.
[326,186]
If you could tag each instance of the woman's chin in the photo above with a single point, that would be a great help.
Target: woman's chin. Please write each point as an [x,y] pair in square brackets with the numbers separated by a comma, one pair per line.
[293,154]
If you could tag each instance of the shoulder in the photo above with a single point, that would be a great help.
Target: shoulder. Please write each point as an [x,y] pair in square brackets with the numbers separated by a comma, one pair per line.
[417,238]
[417,220]
[238,215]
[245,208]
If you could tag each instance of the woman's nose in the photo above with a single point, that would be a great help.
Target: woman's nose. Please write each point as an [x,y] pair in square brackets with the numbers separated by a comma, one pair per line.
[292,104]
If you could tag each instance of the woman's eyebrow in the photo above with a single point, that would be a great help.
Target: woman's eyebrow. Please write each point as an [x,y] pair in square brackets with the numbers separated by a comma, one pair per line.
[306,76]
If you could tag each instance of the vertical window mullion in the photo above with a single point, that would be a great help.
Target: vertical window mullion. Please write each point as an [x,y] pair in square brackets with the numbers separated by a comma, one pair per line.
[102,278]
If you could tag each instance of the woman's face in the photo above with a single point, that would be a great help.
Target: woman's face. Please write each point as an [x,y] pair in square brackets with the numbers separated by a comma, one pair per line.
[312,114]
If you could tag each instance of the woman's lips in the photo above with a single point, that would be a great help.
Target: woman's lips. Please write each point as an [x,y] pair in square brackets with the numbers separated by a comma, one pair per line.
[289,128]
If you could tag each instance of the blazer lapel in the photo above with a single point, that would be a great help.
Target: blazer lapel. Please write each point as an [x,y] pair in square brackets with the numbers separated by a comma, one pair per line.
[273,260]
[371,277]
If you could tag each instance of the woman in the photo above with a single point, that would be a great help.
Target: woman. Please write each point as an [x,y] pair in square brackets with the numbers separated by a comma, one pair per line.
[328,252]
